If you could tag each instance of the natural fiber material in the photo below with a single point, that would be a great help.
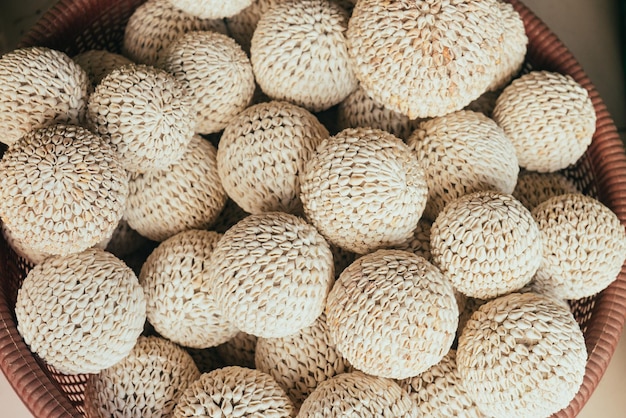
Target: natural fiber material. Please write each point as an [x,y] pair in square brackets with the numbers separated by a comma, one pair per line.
[299,54]
[584,245]
[186,195]
[39,86]
[358,395]
[533,188]
[514,43]
[155,24]
[234,392]
[97,63]
[147,383]
[270,274]
[211,9]
[239,350]
[261,153]
[62,189]
[462,153]
[521,355]
[180,304]
[546,111]
[81,313]
[363,189]
[392,314]
[218,73]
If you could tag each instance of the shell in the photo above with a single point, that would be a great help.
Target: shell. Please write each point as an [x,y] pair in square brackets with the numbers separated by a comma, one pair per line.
[211,9]
[239,350]
[81,313]
[363,189]
[39,86]
[514,45]
[534,188]
[261,153]
[97,63]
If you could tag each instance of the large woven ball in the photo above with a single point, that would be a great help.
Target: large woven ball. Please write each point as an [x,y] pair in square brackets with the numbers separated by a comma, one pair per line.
[147,383]
[363,189]
[211,9]
[97,63]
[271,273]
[81,313]
[533,188]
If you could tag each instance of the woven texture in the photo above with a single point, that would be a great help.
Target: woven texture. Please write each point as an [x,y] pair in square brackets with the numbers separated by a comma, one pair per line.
[211,9]
[533,188]
[238,351]
[97,63]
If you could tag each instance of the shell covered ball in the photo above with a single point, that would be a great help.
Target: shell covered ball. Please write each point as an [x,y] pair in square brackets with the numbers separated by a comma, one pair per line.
[299,54]
[234,391]
[522,355]
[97,63]
[419,243]
[514,46]
[549,117]
[462,153]
[270,274]
[533,188]
[487,244]
[363,189]
[359,395]
[239,350]
[392,314]
[81,313]
[211,9]
[155,24]
[62,189]
[39,86]
[261,153]
[146,383]
[584,245]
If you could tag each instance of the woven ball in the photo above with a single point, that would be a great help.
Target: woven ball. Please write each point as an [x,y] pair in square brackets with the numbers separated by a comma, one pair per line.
[363,189]
[147,383]
[419,242]
[39,86]
[29,255]
[514,45]
[522,355]
[550,112]
[239,350]
[261,153]
[97,63]
[270,274]
[81,313]
[392,314]
[425,58]
[584,245]
[211,9]
[155,24]
[533,188]
[462,153]
[232,392]
[229,216]
[299,54]
[359,395]
[62,189]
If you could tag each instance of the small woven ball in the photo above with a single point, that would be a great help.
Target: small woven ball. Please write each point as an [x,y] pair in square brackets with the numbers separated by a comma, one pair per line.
[147,383]
[359,395]
[261,153]
[299,54]
[62,189]
[533,188]
[239,350]
[584,245]
[363,189]
[232,392]
[419,243]
[462,153]
[271,273]
[392,314]
[549,118]
[39,86]
[81,313]
[211,9]
[514,46]
[156,23]
[97,63]
[522,355]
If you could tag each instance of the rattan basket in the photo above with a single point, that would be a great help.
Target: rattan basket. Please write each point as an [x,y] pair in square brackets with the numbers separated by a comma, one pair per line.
[77,25]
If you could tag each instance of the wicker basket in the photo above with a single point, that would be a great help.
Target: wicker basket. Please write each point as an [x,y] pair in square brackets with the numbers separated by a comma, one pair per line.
[76,25]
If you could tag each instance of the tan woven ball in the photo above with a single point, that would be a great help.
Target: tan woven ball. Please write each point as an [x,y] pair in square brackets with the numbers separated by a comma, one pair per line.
[261,153]
[97,63]
[359,395]
[211,9]
[363,189]
[392,314]
[81,313]
[533,188]
[147,383]
[522,355]
[463,152]
[239,350]
[299,54]
[584,245]
[549,117]
[155,24]
[270,274]
[419,243]
[514,43]
[62,189]
[232,392]
[39,86]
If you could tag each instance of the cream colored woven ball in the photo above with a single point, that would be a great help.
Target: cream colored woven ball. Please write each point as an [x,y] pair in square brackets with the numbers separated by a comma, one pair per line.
[81,313]
[514,46]
[147,383]
[39,87]
[97,63]
[533,188]
[211,9]
[419,243]
[363,189]
[261,153]
[239,350]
